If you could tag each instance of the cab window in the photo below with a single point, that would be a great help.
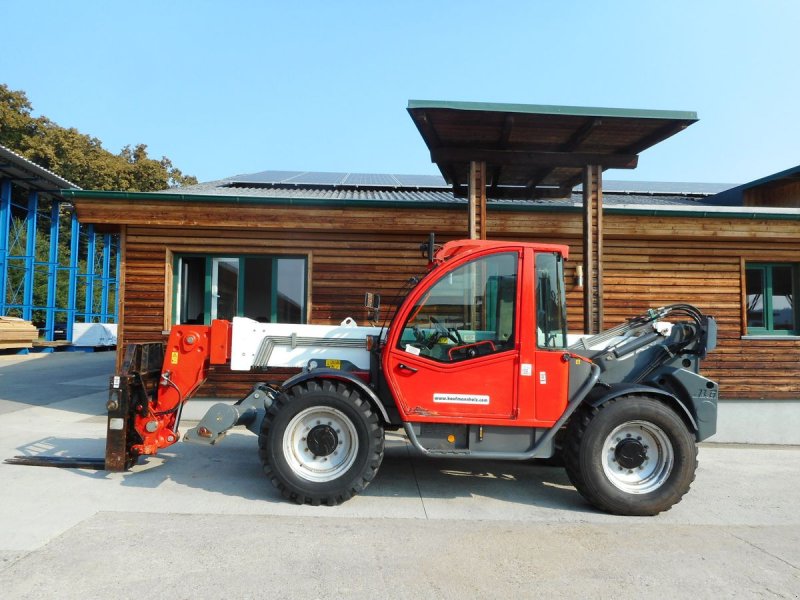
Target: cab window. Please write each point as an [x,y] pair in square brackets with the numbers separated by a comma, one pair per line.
[469,312]
[551,301]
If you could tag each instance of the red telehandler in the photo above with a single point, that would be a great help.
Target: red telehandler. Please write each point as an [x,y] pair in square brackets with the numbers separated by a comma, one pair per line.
[475,363]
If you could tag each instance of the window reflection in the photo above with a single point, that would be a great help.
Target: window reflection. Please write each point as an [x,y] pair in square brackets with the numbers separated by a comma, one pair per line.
[263,288]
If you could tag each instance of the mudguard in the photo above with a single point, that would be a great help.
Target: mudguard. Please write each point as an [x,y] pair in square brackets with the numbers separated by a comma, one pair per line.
[697,393]
[349,378]
[601,395]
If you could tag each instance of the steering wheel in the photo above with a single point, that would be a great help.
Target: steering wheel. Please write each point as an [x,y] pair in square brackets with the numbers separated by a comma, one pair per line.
[451,334]
[425,341]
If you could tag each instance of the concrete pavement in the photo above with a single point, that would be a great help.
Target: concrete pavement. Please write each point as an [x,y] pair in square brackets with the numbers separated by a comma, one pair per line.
[204,521]
[42,379]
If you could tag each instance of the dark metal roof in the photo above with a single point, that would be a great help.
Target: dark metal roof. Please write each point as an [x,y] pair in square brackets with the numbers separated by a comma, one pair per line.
[29,175]
[287,184]
[620,203]
[309,180]
[535,151]
[620,197]
[226,187]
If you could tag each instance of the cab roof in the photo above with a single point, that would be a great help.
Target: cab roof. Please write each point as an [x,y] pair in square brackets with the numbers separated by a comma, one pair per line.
[460,247]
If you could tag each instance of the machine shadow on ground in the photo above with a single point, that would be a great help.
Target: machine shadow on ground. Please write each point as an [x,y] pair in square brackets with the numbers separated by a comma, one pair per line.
[233,468]
[518,482]
[62,448]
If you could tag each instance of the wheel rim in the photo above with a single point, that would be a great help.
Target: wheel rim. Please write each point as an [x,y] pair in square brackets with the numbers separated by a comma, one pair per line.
[638,457]
[320,444]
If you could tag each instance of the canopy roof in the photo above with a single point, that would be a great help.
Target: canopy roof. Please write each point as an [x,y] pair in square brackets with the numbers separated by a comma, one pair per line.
[29,175]
[535,151]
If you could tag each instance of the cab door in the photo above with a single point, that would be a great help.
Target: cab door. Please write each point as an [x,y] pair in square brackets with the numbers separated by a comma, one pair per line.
[455,355]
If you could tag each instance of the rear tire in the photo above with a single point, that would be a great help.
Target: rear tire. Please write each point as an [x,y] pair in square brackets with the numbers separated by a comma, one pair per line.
[321,443]
[632,455]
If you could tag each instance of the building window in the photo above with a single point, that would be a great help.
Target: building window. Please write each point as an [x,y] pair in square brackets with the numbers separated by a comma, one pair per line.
[770,290]
[269,289]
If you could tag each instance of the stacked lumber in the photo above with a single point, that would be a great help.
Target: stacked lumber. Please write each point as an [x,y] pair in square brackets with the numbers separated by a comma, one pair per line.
[17,333]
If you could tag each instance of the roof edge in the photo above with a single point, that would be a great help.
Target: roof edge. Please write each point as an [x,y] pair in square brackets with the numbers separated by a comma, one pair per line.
[249,200]
[552,109]
[644,210]
[707,212]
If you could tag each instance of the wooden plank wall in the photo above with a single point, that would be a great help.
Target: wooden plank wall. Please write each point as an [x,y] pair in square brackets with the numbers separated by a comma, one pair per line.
[653,261]
[350,251]
[648,261]
[657,261]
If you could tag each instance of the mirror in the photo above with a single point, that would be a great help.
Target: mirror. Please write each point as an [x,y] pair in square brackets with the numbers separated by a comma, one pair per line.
[372,302]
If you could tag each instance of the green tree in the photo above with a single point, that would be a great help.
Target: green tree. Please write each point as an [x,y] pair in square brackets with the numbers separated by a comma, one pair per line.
[78,157]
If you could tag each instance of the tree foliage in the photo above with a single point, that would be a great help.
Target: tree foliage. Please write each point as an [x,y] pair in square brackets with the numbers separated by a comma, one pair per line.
[78,157]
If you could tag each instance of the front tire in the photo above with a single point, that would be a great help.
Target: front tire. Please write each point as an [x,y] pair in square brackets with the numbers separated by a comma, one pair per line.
[321,443]
[631,456]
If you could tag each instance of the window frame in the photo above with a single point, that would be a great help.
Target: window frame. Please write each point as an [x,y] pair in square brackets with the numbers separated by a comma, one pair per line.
[240,257]
[561,298]
[768,328]
[422,302]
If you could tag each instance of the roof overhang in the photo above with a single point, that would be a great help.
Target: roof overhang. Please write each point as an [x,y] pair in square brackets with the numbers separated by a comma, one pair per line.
[535,151]
[29,175]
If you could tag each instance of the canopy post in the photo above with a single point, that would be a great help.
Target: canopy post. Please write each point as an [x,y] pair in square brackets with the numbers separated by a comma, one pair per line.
[593,248]
[476,228]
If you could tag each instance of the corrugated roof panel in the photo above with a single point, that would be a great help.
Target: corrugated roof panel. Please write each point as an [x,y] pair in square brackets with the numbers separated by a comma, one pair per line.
[20,168]
[436,196]
[419,189]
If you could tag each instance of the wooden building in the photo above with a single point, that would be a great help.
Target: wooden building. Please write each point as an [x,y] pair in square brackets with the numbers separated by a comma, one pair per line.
[304,247]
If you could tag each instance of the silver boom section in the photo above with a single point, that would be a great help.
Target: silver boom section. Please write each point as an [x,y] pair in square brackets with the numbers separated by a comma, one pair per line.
[260,345]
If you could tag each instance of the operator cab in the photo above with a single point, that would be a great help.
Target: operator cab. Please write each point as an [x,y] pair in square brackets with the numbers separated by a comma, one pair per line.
[469,338]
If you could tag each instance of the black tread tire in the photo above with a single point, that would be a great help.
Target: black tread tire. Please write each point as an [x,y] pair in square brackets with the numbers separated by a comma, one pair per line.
[582,452]
[348,401]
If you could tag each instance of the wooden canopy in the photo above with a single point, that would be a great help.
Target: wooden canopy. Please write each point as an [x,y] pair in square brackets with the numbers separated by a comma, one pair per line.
[526,151]
[534,151]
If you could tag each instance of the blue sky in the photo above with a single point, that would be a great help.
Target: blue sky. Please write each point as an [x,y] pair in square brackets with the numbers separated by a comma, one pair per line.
[238,87]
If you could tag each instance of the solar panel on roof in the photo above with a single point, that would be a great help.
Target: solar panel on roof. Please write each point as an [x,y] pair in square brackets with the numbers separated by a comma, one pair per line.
[266,177]
[290,177]
[295,175]
[370,179]
[339,179]
[318,178]
[421,180]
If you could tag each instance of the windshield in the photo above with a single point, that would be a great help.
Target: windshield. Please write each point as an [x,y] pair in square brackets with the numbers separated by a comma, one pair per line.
[551,302]
[469,312]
